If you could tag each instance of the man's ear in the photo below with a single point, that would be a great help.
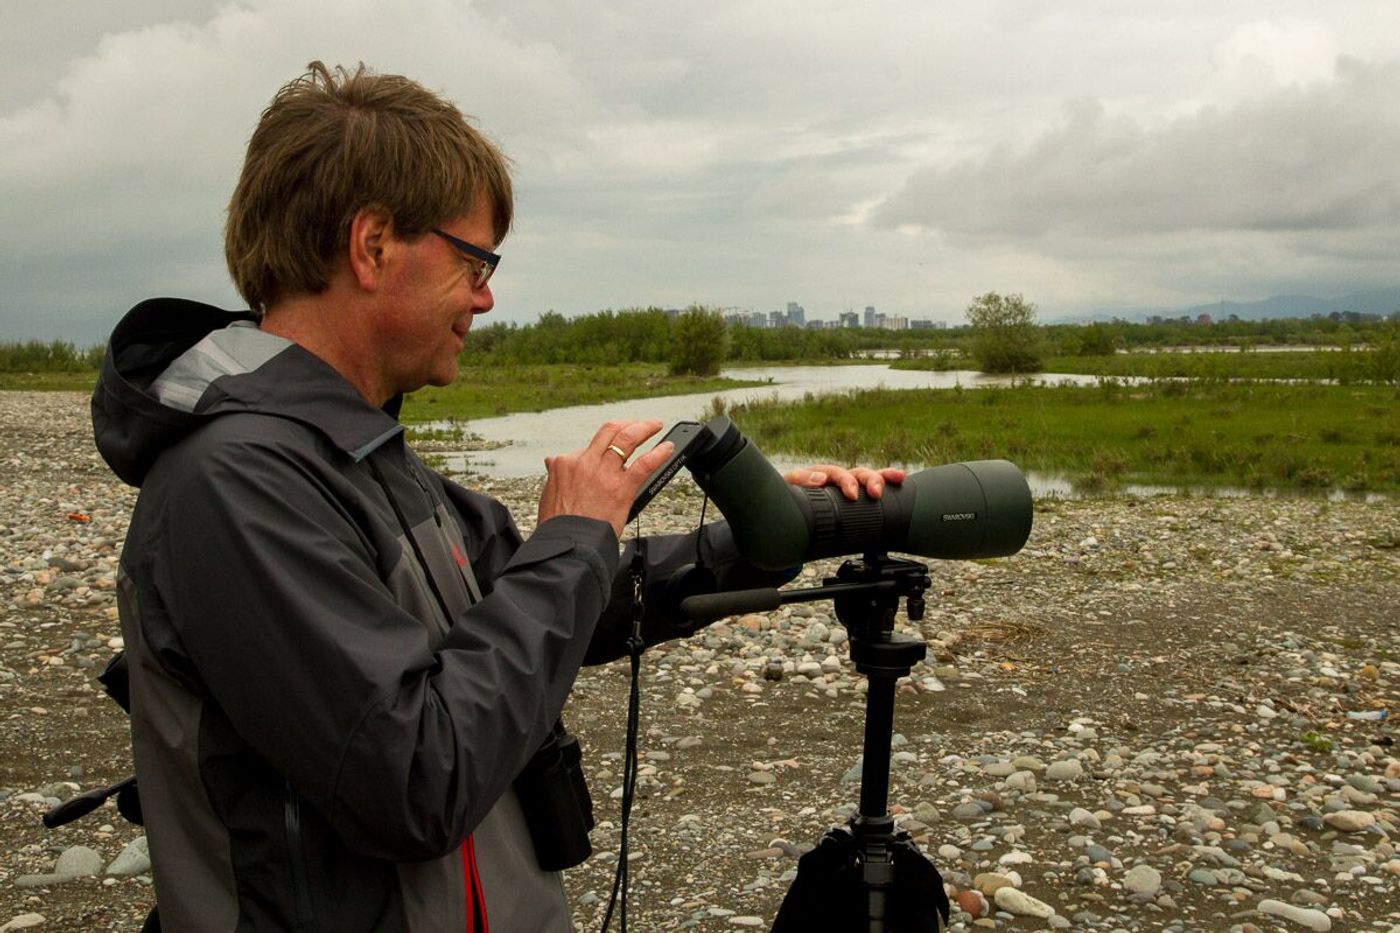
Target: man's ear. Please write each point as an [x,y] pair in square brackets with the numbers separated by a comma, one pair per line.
[372,240]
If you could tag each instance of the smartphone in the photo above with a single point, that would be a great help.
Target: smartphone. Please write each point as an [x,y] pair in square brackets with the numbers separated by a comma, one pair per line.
[688,436]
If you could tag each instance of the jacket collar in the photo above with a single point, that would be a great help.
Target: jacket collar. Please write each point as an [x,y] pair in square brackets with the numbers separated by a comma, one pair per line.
[134,420]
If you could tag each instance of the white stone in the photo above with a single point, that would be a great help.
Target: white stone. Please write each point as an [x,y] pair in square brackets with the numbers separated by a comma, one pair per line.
[1279,874]
[1082,817]
[1303,916]
[1143,879]
[1068,769]
[1022,904]
[1021,780]
[78,862]
[135,859]
[1350,821]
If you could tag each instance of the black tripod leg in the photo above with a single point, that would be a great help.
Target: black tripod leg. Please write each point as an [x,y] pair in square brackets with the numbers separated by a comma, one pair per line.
[883,663]
[875,765]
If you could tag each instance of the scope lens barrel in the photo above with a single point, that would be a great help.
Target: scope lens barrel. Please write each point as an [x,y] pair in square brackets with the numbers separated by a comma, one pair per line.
[953,512]
[962,511]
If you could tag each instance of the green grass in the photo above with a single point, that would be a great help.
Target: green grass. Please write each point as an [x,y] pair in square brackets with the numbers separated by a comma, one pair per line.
[83,381]
[488,391]
[484,391]
[1339,365]
[1174,434]
[1316,743]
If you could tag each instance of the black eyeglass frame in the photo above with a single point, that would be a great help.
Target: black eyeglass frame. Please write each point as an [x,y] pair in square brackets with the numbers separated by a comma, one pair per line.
[489,260]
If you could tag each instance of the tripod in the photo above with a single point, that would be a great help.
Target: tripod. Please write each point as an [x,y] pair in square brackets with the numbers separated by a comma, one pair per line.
[868,876]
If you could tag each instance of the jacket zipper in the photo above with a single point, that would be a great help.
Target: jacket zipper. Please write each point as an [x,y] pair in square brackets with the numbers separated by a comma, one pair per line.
[301,887]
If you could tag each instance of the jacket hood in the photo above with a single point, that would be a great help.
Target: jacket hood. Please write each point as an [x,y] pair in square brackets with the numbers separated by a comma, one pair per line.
[172,365]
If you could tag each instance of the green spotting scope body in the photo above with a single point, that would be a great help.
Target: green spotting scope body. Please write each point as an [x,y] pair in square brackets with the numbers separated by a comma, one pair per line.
[957,511]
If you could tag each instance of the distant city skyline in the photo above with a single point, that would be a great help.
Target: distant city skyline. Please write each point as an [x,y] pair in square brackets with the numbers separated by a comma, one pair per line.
[795,315]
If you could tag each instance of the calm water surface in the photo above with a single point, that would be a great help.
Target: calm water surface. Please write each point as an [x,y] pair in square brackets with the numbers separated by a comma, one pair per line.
[530,436]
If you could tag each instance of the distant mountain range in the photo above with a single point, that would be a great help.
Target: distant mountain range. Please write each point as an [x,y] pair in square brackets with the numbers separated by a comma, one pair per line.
[1371,301]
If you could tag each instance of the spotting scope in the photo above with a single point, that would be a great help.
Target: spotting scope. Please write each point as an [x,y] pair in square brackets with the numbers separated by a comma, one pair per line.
[957,511]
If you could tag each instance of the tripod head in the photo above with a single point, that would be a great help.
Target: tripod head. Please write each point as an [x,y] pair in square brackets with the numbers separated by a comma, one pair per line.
[866,593]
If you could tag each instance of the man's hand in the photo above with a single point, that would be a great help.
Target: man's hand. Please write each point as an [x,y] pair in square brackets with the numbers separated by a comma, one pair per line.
[849,481]
[597,482]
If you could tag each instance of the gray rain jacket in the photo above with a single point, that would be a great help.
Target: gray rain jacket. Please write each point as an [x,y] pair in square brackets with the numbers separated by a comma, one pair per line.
[315,740]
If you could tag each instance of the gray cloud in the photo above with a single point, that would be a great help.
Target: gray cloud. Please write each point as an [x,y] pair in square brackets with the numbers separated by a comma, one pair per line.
[902,154]
[1319,158]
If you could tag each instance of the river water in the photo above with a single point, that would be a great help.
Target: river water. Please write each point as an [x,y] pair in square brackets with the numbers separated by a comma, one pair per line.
[526,438]
[529,436]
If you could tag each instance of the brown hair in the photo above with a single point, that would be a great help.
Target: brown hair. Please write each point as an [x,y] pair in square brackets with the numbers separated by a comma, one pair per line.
[334,142]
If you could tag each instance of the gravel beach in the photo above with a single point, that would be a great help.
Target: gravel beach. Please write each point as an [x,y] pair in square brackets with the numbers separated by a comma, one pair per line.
[1165,713]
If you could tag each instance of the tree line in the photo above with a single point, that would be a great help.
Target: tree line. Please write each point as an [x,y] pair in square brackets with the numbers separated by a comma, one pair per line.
[1003,337]
[1002,334]
[696,340]
[54,356]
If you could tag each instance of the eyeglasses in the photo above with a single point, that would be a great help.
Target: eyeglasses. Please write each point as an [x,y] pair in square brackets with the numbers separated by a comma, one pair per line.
[482,260]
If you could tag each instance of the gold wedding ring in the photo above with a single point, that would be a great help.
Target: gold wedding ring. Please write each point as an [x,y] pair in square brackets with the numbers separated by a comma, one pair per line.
[619,451]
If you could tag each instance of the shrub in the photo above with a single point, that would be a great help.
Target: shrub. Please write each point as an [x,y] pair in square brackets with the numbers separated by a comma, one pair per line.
[699,342]
[1005,337]
[1097,340]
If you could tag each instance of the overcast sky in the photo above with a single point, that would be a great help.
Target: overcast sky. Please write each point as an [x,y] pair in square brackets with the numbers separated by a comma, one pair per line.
[905,154]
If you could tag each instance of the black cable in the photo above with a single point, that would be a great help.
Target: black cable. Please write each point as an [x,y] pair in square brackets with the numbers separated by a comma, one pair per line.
[635,645]
[700,530]
[630,765]
[629,787]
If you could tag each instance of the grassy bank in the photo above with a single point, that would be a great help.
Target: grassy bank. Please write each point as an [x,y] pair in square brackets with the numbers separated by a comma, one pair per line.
[1335,365]
[82,381]
[1167,433]
[1343,365]
[482,391]
[488,391]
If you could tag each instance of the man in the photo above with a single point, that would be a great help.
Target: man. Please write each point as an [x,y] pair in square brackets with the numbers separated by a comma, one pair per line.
[344,668]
